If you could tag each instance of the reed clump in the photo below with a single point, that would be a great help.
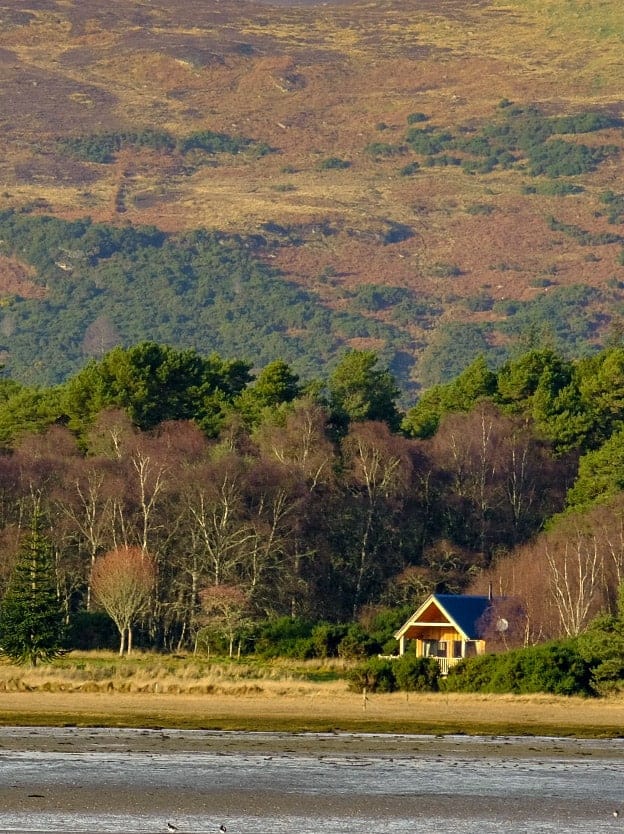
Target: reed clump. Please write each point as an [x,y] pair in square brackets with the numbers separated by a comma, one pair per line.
[104,672]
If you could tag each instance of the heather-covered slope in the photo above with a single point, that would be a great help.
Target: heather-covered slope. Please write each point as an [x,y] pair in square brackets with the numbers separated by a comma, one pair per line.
[437,179]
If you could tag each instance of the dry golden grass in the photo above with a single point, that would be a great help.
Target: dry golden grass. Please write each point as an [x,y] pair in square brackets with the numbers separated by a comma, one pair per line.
[150,691]
[320,707]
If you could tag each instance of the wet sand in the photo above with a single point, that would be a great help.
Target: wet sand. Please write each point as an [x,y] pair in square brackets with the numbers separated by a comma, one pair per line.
[164,792]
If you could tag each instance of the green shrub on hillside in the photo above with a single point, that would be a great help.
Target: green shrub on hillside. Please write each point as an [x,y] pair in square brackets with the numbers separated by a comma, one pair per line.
[376,297]
[333,163]
[383,150]
[581,236]
[427,142]
[415,118]
[615,206]
[102,147]
[409,169]
[212,142]
[558,158]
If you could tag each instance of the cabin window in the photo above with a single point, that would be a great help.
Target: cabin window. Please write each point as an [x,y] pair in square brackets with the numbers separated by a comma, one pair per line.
[434,648]
[457,648]
[471,648]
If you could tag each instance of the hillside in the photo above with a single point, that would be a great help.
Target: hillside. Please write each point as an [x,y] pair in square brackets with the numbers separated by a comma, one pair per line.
[438,179]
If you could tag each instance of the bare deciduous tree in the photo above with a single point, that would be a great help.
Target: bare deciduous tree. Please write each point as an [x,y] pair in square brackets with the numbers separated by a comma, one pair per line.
[225,611]
[575,569]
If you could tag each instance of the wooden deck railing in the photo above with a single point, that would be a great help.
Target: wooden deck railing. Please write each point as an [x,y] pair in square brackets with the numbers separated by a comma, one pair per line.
[445,663]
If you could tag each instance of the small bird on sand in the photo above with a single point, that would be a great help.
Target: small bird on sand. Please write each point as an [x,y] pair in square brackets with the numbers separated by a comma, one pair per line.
[616,814]
[171,827]
[222,828]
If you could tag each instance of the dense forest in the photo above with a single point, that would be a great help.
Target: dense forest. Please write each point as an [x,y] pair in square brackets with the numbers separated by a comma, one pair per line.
[279,500]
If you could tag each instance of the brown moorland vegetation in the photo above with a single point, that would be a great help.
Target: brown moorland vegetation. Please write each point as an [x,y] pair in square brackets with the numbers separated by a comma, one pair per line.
[316,81]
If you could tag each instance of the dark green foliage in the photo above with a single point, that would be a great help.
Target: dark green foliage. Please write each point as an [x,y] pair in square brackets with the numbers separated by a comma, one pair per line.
[417,674]
[385,622]
[211,142]
[519,133]
[357,643]
[383,150]
[600,473]
[90,630]
[409,169]
[427,142]
[475,384]
[421,310]
[557,668]
[558,188]
[28,411]
[397,232]
[442,161]
[445,270]
[333,163]
[376,675]
[154,383]
[558,158]
[520,378]
[326,639]
[376,297]
[283,636]
[563,316]
[275,386]
[584,122]
[102,147]
[602,645]
[615,206]
[199,289]
[359,390]
[480,303]
[32,627]
[408,673]
[415,118]
[481,208]
[452,349]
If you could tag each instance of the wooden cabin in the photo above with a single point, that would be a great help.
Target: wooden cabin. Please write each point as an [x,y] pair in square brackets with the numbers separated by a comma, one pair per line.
[447,627]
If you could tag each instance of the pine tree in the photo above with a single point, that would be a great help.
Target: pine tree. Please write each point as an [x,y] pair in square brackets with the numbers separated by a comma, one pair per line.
[32,627]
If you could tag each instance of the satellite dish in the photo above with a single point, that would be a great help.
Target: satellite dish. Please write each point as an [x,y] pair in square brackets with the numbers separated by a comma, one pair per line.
[502,624]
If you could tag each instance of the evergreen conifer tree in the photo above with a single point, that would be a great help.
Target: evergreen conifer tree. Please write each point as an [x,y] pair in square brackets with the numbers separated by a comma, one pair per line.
[32,627]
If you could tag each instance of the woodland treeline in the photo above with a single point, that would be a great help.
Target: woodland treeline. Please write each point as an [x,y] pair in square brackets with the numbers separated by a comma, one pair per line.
[322,501]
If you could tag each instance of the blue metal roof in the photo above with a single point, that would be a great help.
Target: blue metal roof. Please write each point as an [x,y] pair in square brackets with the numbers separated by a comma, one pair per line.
[465,610]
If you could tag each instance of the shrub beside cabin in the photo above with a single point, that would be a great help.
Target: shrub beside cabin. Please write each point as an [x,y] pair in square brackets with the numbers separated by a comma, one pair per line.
[448,627]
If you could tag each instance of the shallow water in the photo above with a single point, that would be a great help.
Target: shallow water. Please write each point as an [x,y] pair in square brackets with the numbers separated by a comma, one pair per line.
[469,787]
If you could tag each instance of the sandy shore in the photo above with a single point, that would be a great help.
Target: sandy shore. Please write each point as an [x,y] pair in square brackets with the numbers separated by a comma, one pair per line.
[326,708]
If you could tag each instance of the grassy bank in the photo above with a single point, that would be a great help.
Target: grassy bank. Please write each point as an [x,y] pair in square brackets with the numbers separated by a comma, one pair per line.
[106,672]
[195,693]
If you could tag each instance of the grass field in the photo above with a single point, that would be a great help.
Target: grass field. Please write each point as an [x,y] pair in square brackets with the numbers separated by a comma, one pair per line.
[153,691]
